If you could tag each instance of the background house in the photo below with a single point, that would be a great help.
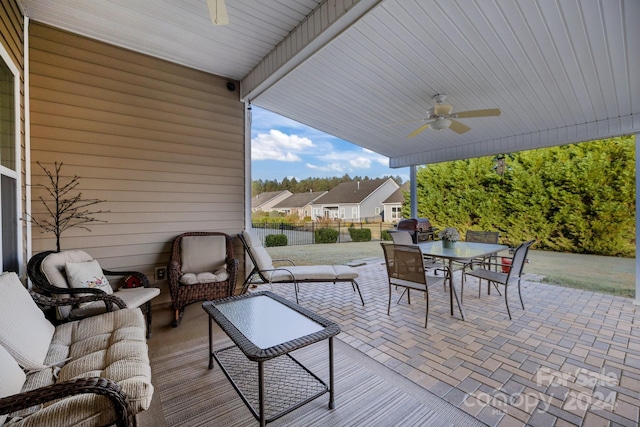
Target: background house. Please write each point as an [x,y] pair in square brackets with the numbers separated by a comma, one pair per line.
[392,205]
[355,200]
[266,201]
[299,204]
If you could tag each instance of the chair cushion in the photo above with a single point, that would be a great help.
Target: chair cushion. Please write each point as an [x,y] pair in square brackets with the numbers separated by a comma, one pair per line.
[313,272]
[262,257]
[203,253]
[251,237]
[12,377]
[54,265]
[132,297]
[25,333]
[191,278]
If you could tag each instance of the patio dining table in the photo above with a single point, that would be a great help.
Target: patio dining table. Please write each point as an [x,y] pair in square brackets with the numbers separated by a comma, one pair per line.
[461,252]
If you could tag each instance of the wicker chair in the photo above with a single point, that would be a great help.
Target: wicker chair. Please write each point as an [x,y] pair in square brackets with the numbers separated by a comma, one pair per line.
[202,268]
[47,273]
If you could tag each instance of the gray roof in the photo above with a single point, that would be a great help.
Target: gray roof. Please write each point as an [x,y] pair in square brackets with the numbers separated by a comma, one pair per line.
[262,198]
[299,200]
[351,192]
[398,195]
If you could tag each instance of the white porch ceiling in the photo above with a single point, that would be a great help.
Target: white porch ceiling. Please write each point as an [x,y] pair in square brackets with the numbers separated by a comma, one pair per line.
[561,71]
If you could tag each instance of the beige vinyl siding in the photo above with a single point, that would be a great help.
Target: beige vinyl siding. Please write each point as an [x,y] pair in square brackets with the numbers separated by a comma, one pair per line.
[162,144]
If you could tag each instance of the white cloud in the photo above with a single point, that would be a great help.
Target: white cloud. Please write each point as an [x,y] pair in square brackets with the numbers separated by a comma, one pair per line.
[356,159]
[360,163]
[277,145]
[331,167]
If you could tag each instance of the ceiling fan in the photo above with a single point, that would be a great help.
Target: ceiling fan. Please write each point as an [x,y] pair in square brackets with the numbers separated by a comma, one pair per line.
[441,117]
[218,12]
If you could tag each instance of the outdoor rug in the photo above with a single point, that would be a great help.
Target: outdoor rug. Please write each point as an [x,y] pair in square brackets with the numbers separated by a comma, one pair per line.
[367,393]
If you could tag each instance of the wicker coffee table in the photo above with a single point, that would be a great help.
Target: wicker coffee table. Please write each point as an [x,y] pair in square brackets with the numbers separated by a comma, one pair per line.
[265,329]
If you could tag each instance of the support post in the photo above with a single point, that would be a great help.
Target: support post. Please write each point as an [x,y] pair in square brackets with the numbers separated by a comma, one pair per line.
[636,301]
[414,191]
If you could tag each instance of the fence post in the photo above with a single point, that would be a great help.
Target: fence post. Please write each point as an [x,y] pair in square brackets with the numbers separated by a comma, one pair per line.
[313,232]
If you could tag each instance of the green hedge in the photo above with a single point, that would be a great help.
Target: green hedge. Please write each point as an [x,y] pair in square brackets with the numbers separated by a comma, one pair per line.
[326,235]
[385,235]
[577,198]
[275,240]
[360,234]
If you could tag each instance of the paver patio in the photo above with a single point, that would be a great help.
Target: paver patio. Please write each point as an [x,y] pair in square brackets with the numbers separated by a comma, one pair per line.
[572,357]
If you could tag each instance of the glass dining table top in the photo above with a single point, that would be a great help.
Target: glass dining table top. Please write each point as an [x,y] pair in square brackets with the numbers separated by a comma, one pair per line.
[461,250]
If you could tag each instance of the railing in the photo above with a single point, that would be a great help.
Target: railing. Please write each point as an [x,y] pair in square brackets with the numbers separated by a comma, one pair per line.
[304,233]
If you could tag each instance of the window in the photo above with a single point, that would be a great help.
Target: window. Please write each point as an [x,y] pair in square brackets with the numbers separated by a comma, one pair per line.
[342,213]
[354,213]
[395,213]
[9,213]
[377,211]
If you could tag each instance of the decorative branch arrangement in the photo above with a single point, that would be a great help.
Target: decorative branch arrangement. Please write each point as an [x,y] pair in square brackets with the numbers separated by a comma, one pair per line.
[65,211]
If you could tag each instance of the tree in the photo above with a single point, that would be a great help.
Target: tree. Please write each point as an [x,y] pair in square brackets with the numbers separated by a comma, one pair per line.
[65,211]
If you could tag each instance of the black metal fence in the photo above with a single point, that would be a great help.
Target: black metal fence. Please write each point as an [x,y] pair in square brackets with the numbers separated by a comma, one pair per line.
[304,233]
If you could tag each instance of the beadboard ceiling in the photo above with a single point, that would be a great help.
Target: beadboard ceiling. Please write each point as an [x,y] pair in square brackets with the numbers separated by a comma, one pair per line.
[561,71]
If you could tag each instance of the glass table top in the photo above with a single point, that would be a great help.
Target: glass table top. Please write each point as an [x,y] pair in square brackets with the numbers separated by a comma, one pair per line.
[266,322]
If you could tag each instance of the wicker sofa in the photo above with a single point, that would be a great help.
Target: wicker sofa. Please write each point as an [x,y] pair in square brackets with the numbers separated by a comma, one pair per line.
[90,372]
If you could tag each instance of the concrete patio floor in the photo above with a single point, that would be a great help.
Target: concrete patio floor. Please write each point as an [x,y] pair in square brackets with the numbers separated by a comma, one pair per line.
[572,357]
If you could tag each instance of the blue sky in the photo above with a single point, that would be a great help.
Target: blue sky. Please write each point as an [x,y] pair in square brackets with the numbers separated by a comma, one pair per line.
[283,148]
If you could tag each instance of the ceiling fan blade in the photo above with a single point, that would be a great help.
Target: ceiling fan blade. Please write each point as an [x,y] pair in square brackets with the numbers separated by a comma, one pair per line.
[218,12]
[442,109]
[458,127]
[479,113]
[418,131]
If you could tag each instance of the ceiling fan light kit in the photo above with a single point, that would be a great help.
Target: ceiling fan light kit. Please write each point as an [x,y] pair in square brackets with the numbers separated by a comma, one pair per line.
[440,123]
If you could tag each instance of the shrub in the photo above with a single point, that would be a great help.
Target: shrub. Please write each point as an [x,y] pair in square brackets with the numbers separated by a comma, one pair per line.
[326,235]
[275,240]
[360,234]
[385,235]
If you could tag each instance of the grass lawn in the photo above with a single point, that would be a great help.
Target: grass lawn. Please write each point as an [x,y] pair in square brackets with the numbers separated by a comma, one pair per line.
[610,275]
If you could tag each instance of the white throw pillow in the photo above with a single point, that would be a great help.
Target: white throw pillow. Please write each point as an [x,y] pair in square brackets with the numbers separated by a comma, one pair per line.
[25,333]
[87,275]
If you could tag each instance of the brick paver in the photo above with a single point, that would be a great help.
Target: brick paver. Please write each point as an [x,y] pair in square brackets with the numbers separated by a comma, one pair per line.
[572,357]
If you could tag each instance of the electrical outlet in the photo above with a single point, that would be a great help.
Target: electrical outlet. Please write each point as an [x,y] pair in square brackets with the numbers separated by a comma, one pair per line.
[161,273]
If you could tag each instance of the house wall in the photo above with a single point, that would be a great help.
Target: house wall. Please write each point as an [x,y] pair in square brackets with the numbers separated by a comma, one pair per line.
[375,199]
[162,144]
[388,215]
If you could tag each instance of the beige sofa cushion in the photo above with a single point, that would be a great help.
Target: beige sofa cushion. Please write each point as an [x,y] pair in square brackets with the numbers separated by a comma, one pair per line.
[12,377]
[25,333]
[203,253]
[111,345]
